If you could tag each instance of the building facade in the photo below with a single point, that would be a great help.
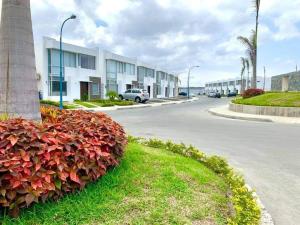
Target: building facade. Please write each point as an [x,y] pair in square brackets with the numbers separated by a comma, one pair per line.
[193,90]
[227,86]
[89,73]
[286,82]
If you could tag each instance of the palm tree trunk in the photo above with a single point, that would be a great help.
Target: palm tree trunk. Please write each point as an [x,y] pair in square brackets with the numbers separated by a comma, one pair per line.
[254,80]
[18,82]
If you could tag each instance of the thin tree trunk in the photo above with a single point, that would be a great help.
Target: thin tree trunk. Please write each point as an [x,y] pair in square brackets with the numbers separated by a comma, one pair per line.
[254,80]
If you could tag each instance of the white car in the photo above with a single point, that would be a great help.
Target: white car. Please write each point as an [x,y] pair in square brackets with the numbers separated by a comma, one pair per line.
[137,95]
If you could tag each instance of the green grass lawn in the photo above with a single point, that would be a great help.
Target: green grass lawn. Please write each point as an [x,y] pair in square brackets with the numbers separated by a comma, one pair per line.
[285,99]
[85,104]
[151,186]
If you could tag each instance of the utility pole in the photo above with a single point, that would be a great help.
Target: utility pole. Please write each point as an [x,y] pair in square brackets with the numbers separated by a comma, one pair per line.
[264,77]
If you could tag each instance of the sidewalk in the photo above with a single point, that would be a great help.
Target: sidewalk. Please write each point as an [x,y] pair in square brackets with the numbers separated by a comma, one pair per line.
[223,111]
[104,109]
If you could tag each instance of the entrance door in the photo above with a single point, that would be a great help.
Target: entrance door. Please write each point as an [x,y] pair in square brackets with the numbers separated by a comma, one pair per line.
[166,92]
[84,91]
[149,90]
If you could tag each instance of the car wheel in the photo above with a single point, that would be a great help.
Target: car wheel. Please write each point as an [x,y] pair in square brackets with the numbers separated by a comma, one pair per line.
[121,97]
[137,99]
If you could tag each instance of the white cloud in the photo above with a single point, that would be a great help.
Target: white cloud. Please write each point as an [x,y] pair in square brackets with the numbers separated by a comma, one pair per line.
[171,33]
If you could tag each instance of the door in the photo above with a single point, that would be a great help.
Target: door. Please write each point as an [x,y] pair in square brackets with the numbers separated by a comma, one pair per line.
[149,91]
[166,92]
[84,91]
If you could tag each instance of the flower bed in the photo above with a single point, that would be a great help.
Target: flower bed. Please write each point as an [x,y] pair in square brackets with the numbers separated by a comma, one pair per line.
[62,154]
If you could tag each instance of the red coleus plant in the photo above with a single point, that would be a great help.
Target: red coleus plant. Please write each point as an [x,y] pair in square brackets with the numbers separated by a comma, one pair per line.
[45,161]
[252,92]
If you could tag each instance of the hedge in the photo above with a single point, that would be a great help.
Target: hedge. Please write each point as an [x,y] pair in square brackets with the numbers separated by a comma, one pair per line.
[246,209]
[41,161]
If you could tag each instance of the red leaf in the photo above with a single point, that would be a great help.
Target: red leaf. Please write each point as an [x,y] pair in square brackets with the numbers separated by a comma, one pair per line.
[74,177]
[37,167]
[29,198]
[13,139]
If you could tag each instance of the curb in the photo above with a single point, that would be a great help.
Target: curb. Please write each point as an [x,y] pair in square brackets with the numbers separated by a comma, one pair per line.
[211,111]
[266,218]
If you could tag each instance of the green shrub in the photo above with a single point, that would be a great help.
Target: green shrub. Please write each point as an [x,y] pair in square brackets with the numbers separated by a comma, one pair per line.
[112,95]
[246,209]
[4,117]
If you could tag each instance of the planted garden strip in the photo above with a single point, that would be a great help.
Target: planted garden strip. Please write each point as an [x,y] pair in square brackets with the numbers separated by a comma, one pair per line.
[61,155]
[245,206]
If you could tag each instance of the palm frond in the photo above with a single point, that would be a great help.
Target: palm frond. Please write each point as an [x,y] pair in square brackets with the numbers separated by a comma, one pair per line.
[246,42]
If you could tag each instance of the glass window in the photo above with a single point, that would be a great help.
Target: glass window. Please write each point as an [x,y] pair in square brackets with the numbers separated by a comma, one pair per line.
[87,62]
[111,66]
[128,91]
[54,88]
[95,89]
[69,59]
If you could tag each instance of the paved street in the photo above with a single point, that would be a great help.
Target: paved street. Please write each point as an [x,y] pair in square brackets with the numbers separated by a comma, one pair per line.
[268,154]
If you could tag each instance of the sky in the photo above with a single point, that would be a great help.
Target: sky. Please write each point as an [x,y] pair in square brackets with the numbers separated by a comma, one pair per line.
[177,34]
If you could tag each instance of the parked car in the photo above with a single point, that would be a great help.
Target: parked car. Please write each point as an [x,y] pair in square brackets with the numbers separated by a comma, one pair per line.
[182,94]
[137,95]
[213,94]
[232,94]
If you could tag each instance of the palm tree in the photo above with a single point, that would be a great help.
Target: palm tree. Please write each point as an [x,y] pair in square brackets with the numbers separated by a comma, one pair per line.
[248,67]
[243,61]
[18,82]
[251,44]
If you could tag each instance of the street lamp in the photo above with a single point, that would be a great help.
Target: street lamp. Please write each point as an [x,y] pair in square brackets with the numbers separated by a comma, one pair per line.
[72,17]
[188,89]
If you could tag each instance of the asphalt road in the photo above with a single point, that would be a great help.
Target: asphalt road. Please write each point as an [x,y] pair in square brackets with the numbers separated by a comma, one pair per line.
[268,154]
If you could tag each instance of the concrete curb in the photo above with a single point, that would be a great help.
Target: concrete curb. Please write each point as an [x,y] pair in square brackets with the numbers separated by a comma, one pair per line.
[211,111]
[226,113]
[266,218]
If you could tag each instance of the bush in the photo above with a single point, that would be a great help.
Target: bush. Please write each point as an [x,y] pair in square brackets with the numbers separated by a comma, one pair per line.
[112,95]
[45,161]
[252,92]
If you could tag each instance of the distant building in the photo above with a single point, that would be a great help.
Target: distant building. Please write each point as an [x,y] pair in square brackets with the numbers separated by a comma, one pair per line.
[286,82]
[193,90]
[234,85]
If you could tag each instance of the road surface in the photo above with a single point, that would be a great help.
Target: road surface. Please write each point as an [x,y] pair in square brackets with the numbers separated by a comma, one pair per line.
[268,154]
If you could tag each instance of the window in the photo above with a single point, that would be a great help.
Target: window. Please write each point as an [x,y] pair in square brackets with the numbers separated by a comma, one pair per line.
[231,83]
[129,69]
[136,91]
[54,89]
[95,89]
[87,62]
[128,91]
[69,59]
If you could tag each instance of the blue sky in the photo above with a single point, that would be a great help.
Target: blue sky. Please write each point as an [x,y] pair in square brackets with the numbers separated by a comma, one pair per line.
[175,34]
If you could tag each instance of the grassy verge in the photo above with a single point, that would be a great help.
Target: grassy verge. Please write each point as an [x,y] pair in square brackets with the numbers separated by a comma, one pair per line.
[107,103]
[56,104]
[151,186]
[281,99]
[85,104]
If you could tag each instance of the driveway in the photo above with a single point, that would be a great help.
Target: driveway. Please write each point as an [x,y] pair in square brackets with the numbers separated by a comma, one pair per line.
[268,154]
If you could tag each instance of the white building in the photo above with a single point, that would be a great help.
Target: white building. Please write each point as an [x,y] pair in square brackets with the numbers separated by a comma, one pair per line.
[234,85]
[88,73]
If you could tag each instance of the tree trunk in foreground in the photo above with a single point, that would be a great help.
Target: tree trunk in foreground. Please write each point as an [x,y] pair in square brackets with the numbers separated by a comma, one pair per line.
[18,82]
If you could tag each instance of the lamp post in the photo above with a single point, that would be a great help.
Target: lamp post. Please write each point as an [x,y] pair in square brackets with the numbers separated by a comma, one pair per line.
[188,88]
[72,17]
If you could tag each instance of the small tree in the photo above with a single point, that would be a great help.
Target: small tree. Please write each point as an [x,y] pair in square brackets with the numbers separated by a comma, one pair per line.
[112,95]
[243,61]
